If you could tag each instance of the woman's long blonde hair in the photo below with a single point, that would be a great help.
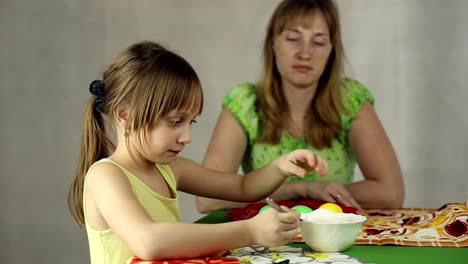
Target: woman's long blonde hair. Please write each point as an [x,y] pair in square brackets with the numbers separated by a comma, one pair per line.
[324,110]
[148,79]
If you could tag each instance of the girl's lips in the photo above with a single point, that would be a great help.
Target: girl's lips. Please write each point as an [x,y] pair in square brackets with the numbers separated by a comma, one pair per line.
[174,151]
[301,68]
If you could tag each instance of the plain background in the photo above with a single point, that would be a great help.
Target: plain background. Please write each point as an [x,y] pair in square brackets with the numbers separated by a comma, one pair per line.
[411,54]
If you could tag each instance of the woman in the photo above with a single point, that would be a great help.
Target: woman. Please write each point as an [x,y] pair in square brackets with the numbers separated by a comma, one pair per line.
[303,101]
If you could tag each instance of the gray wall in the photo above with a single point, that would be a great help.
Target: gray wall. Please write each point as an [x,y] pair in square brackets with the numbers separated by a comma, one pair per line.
[411,54]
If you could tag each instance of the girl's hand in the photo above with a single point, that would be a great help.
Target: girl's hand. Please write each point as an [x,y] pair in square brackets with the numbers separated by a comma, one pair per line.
[272,228]
[333,192]
[301,161]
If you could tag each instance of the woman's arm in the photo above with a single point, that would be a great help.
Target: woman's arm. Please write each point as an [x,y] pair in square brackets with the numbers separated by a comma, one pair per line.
[109,198]
[383,183]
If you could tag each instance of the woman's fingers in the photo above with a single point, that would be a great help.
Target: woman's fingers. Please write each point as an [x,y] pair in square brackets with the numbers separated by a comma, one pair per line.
[342,195]
[336,192]
[345,198]
[327,197]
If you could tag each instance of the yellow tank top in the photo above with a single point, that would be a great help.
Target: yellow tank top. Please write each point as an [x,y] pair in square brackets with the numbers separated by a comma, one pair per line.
[104,246]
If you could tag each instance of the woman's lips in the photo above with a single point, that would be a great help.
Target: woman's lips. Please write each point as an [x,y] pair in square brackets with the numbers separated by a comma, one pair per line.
[302,68]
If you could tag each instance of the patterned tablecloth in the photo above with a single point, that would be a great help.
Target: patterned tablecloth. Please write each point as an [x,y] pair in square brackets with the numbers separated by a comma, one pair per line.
[443,227]
[259,255]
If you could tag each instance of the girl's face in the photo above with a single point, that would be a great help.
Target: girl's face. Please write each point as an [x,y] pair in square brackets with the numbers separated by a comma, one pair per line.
[169,136]
[301,53]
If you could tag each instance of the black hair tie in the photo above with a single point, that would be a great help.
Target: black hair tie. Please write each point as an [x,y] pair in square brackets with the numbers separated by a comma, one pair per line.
[97,89]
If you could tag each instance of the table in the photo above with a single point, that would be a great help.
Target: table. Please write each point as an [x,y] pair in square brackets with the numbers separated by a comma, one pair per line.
[380,254]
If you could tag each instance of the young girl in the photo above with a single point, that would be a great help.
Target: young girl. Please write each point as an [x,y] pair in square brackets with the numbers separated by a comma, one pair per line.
[126,194]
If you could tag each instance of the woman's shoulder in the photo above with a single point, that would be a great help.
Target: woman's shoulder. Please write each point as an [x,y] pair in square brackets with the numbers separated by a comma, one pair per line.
[353,86]
[354,95]
[241,101]
[241,91]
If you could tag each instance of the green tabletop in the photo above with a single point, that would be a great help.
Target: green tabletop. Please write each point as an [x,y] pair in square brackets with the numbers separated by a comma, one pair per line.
[380,254]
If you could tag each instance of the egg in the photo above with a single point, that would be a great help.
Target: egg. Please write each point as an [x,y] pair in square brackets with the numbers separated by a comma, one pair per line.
[302,209]
[264,208]
[332,207]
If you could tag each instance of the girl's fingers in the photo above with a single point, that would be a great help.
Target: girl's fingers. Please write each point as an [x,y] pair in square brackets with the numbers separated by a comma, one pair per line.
[321,167]
[297,170]
[304,158]
[290,234]
[290,217]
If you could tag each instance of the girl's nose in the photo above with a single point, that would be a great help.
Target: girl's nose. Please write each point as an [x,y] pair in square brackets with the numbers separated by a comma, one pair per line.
[185,137]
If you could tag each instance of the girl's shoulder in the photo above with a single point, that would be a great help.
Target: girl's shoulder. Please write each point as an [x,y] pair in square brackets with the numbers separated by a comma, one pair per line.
[105,172]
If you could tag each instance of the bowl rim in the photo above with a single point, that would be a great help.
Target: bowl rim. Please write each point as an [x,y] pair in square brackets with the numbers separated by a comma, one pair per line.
[340,223]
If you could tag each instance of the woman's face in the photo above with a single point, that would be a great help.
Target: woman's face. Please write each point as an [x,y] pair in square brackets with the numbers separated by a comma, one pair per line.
[302,51]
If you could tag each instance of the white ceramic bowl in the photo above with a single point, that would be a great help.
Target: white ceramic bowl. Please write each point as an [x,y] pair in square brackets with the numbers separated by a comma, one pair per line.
[331,236]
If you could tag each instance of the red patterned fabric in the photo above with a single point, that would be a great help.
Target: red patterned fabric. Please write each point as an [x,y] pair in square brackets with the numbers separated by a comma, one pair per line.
[252,209]
[207,260]
[443,227]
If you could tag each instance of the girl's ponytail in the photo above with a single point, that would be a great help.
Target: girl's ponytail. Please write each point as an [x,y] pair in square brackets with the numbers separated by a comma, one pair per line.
[95,145]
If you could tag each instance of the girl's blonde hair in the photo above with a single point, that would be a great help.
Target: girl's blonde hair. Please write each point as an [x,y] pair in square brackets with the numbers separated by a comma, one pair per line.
[148,79]
[324,110]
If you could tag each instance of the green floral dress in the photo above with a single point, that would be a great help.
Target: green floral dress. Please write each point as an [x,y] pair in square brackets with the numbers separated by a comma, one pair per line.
[242,102]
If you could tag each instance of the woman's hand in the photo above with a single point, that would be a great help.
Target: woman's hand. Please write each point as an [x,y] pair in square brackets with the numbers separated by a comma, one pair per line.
[332,192]
[272,228]
[301,161]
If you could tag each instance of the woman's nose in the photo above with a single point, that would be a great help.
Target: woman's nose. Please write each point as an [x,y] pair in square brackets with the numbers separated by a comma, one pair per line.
[304,51]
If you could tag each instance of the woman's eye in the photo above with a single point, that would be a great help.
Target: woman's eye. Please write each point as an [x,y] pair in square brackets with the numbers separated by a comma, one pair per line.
[321,44]
[193,121]
[291,39]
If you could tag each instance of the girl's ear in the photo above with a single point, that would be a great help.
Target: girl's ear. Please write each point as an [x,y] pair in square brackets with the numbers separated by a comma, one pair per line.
[121,115]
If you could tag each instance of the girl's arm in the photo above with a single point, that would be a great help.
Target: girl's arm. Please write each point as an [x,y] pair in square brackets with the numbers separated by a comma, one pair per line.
[383,183]
[224,153]
[110,203]
[256,185]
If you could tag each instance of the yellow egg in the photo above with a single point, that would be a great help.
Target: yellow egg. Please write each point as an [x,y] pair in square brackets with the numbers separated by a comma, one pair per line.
[332,207]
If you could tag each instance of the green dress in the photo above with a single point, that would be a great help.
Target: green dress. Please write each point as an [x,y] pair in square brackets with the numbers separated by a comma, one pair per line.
[242,102]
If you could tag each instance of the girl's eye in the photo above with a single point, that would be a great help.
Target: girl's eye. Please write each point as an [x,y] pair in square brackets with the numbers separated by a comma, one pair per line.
[193,122]
[291,39]
[321,44]
[176,122]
